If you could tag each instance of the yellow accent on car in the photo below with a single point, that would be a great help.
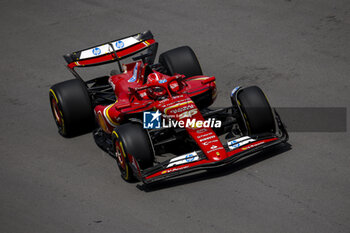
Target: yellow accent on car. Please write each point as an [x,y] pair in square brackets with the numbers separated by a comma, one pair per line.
[200,78]
[126,165]
[102,122]
[109,118]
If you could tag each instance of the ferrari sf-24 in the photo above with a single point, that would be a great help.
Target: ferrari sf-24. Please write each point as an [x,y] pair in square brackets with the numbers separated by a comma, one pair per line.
[136,111]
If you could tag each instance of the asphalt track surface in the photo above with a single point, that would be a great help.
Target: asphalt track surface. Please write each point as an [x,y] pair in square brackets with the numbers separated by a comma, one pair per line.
[298,52]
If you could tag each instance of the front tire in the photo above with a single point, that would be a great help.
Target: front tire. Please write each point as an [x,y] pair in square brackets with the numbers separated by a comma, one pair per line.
[257,115]
[133,150]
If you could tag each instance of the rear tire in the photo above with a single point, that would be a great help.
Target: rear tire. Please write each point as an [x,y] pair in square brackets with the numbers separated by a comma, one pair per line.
[256,111]
[71,108]
[131,142]
[181,60]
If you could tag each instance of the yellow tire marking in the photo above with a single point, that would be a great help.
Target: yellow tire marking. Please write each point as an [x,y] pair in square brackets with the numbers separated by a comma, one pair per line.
[115,134]
[124,155]
[126,165]
[63,126]
[54,95]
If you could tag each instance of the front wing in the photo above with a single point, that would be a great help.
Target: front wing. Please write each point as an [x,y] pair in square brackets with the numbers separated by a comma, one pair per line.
[195,161]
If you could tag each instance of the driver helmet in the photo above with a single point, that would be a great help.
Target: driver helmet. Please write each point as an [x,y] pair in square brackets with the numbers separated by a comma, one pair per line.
[154,77]
[155,92]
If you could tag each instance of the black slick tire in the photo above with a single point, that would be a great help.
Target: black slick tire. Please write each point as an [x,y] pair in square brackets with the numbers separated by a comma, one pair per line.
[71,108]
[256,111]
[181,60]
[132,147]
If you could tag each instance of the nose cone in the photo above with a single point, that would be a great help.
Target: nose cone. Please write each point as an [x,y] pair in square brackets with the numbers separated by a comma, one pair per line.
[209,143]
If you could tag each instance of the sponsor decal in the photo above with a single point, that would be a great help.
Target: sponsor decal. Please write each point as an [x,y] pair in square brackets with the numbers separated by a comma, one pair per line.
[119,44]
[189,113]
[209,142]
[205,135]
[96,51]
[151,119]
[178,96]
[235,144]
[252,145]
[202,130]
[187,158]
[214,148]
[207,138]
[182,109]
[134,75]
[177,105]
[162,81]
[239,142]
[209,151]
[174,169]
[106,48]
[190,157]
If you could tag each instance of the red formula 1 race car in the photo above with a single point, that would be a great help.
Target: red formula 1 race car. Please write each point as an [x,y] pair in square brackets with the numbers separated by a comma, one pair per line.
[154,118]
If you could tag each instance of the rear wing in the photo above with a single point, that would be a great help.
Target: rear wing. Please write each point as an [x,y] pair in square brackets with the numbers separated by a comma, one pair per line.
[110,51]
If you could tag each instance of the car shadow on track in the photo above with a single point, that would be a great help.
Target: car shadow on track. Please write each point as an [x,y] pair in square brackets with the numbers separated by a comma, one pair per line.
[217,172]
